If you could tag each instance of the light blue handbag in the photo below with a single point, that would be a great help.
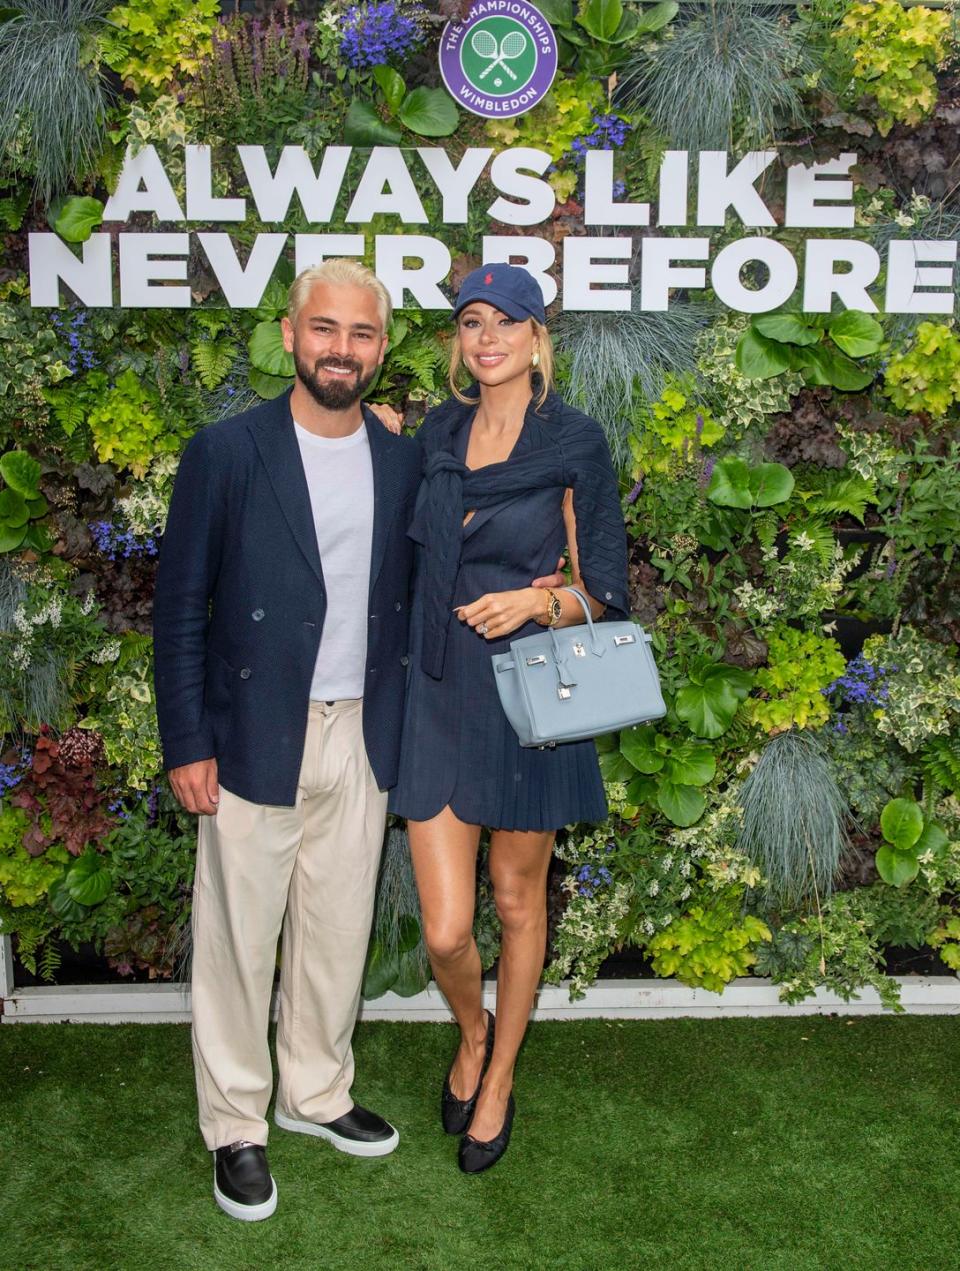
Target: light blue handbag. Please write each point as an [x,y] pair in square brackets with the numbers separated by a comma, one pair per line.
[572,683]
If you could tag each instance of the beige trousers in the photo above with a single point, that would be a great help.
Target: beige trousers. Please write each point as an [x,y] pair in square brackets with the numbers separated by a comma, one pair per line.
[312,870]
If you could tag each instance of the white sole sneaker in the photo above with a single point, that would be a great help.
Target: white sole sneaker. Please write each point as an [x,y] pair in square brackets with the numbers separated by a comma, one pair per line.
[246,1213]
[354,1147]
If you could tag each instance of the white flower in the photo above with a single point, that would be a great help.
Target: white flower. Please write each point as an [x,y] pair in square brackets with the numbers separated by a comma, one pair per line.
[904,219]
[803,541]
[20,655]
[107,653]
[653,888]
[88,604]
[21,621]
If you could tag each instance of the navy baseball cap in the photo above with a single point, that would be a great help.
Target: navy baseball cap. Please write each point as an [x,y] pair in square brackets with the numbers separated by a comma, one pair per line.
[509,288]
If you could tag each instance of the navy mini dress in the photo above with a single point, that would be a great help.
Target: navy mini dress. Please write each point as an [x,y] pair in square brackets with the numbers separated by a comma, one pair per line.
[457,747]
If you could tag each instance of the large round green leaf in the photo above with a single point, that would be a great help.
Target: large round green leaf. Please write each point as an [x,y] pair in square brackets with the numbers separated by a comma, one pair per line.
[408,934]
[63,904]
[266,350]
[21,472]
[760,358]
[429,112]
[559,13]
[13,509]
[682,805]
[730,484]
[412,976]
[902,823]
[932,840]
[856,333]
[655,16]
[391,84]
[382,969]
[268,386]
[638,746]
[364,127]
[896,868]
[825,366]
[88,880]
[12,536]
[641,790]
[601,18]
[788,328]
[691,763]
[78,218]
[708,707]
[770,483]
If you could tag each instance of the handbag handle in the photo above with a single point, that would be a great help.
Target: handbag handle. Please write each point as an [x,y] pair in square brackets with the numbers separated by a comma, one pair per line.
[595,642]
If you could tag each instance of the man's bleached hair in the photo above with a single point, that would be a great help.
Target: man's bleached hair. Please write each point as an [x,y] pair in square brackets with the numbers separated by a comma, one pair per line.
[338,272]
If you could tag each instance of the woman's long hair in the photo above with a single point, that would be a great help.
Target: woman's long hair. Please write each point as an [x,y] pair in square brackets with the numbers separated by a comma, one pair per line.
[541,376]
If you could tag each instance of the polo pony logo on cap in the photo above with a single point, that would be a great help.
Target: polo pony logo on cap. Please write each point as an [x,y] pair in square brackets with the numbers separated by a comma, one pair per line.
[501,60]
[488,279]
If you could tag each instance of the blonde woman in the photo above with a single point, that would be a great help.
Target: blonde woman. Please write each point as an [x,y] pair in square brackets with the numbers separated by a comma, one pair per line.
[512,476]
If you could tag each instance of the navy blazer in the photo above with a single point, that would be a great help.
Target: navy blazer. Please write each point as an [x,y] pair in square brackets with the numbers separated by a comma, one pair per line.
[240,603]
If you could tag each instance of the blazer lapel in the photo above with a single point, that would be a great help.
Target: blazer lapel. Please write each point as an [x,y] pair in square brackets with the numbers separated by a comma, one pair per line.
[385,490]
[277,443]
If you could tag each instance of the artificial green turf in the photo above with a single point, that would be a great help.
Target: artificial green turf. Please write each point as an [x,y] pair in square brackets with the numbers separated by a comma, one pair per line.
[738,1145]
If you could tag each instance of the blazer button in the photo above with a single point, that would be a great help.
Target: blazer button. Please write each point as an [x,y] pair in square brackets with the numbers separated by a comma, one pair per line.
[245,673]
[397,605]
[257,615]
[373,617]
[608,595]
[371,670]
[404,661]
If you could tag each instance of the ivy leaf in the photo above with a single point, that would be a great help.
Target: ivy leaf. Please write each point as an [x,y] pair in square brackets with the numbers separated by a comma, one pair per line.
[429,112]
[638,747]
[682,805]
[760,358]
[88,881]
[21,472]
[266,350]
[391,85]
[856,333]
[77,218]
[364,127]
[902,823]
[896,868]
[788,328]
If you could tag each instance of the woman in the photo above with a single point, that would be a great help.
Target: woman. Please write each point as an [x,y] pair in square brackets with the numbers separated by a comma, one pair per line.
[511,476]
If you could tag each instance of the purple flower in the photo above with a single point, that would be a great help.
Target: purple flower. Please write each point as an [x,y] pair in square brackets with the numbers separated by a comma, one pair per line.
[373,34]
[635,492]
[116,543]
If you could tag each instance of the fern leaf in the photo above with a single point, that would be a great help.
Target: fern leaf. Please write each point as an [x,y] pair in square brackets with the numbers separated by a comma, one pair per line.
[940,763]
[212,360]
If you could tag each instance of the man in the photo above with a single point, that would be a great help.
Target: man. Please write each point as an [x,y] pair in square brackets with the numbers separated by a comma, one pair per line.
[280,625]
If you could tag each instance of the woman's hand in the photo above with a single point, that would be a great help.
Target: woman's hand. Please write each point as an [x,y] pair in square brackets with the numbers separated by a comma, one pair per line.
[390,419]
[497,614]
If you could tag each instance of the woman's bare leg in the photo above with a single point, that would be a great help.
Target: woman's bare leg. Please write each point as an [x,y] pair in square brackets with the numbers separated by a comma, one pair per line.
[518,871]
[444,852]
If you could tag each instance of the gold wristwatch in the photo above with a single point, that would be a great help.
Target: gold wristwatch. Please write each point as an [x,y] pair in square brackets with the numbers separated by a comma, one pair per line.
[554,609]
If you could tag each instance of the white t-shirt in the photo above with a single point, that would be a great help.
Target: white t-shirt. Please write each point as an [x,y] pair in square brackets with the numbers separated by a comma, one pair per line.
[339,475]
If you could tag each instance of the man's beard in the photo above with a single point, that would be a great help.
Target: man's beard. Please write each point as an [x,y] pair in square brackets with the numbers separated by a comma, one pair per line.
[334,394]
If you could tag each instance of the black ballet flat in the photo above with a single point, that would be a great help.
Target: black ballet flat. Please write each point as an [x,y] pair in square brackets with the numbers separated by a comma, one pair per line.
[455,1113]
[476,1156]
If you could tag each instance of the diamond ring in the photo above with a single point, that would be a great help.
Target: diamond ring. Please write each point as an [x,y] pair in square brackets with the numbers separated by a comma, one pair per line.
[482,628]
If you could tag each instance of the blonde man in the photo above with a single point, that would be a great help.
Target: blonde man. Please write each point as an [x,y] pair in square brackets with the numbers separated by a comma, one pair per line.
[280,625]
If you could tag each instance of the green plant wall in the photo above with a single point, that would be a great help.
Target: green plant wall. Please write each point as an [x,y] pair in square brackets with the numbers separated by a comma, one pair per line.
[790,481]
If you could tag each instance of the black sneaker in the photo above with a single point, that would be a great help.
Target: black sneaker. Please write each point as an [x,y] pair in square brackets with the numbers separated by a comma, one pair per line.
[359,1132]
[243,1186]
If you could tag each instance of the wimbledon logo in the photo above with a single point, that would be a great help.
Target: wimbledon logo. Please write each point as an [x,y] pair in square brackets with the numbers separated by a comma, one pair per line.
[501,61]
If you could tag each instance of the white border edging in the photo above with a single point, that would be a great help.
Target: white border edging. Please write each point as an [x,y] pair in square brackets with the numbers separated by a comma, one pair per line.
[607,999]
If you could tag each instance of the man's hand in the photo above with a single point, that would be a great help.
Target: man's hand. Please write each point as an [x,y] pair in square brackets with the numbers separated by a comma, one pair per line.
[387,416]
[552,580]
[195,785]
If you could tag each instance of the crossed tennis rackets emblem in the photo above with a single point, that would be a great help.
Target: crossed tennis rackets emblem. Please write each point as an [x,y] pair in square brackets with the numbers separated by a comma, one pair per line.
[484,44]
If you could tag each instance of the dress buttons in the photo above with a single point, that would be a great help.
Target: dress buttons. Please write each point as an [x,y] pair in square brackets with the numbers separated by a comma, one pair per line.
[371,670]
[608,595]
[404,661]
[257,615]
[397,605]
[373,617]
[245,673]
